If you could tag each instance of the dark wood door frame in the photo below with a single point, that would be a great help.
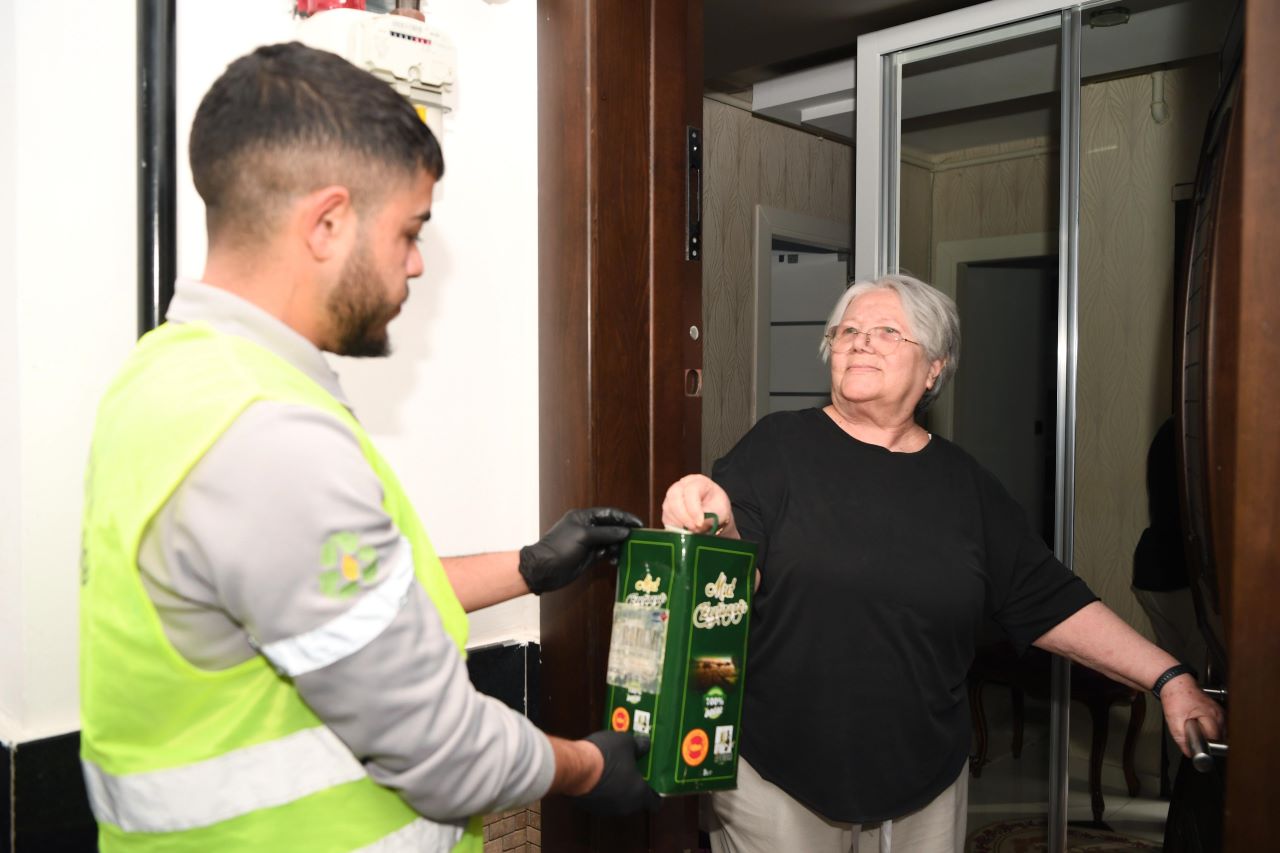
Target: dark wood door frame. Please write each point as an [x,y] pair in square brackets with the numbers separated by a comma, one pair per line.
[1255,490]
[619,82]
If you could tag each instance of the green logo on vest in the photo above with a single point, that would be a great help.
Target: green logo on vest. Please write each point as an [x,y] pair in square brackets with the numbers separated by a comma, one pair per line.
[348,565]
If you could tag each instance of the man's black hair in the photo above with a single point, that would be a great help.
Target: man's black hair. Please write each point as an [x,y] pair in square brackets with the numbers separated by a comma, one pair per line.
[288,119]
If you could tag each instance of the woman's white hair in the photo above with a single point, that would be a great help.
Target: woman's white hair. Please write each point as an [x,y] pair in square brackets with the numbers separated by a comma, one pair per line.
[931,313]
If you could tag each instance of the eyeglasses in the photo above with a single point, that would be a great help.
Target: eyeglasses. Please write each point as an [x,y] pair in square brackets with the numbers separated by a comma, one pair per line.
[880,339]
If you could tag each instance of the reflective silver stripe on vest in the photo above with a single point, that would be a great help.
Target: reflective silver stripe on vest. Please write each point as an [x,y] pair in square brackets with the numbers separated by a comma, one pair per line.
[349,633]
[228,786]
[421,836]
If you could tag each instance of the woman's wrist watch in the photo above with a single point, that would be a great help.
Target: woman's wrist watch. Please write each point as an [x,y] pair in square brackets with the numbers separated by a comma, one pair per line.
[1169,675]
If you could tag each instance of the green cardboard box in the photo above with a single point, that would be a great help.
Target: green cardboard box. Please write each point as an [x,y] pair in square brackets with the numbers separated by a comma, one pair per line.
[677,655]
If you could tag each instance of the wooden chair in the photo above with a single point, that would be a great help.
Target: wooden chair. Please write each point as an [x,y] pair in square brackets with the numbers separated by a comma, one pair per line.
[1029,675]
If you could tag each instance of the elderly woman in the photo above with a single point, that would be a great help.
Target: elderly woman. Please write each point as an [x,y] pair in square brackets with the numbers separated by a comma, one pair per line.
[882,548]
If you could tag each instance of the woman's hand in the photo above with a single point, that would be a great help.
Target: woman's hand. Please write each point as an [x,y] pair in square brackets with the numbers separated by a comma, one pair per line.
[690,498]
[1182,700]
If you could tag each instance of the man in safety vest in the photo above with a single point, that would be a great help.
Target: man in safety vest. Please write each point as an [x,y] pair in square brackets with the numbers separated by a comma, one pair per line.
[272,652]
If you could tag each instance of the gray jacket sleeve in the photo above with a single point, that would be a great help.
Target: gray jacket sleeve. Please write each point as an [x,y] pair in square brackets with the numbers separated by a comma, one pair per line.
[278,534]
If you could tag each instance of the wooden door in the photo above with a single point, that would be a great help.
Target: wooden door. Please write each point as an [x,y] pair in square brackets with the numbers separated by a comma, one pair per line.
[620,287]
[1253,638]
[1230,415]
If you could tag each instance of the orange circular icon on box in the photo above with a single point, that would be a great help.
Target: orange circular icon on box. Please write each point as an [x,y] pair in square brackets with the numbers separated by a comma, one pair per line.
[694,748]
[621,719]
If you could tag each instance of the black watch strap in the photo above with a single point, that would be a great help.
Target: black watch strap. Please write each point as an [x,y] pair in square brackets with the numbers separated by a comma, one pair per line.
[1169,675]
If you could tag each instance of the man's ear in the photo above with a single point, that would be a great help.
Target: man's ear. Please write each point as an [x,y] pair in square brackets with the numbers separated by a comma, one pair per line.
[327,220]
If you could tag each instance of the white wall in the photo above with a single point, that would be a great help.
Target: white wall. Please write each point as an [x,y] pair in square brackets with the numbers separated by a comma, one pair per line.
[455,408]
[67,260]
[10,434]
[454,411]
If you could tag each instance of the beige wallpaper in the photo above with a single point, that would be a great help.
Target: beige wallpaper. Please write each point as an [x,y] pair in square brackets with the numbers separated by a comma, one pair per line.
[1128,167]
[1012,196]
[915,232]
[748,162]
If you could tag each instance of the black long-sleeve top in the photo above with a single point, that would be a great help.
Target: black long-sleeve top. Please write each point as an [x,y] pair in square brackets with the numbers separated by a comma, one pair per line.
[877,570]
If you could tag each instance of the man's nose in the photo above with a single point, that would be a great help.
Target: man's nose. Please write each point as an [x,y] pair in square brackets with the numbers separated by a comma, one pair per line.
[414,265]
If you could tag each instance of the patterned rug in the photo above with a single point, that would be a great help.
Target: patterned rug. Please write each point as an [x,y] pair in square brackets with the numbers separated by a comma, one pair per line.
[1028,836]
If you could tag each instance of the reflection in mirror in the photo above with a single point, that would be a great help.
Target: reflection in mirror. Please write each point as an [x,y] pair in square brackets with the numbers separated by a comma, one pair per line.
[1148,88]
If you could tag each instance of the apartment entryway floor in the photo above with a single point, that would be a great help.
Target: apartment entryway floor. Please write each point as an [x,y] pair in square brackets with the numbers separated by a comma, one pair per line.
[1018,789]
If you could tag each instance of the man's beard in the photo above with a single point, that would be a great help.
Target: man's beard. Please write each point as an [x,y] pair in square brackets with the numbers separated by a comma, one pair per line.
[359,310]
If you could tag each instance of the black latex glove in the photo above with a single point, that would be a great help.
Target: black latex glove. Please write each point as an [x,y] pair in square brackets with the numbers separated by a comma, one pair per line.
[575,542]
[621,789]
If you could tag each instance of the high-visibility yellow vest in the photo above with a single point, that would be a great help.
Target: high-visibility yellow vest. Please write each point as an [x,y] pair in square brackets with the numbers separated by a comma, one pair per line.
[179,758]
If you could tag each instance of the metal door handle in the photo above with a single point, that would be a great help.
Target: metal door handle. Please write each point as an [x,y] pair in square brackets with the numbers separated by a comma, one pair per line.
[1202,751]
